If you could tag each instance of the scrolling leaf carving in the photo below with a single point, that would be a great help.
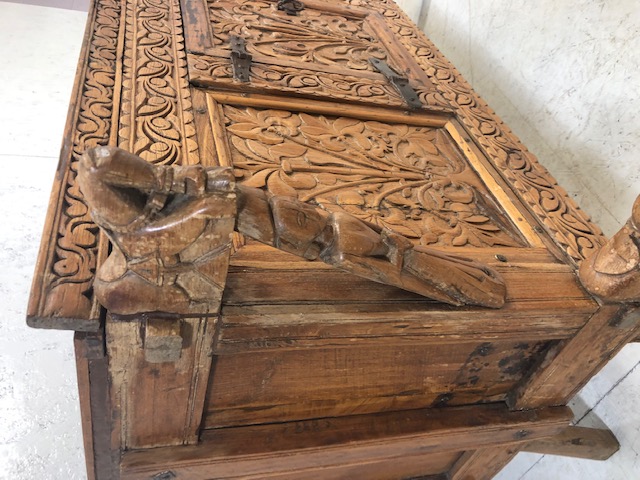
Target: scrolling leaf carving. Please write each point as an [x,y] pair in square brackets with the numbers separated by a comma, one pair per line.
[311,36]
[410,179]
[156,118]
[71,263]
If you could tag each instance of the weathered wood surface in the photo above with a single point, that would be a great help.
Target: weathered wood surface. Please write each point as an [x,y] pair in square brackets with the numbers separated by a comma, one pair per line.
[558,375]
[99,422]
[292,384]
[268,451]
[483,463]
[158,403]
[578,442]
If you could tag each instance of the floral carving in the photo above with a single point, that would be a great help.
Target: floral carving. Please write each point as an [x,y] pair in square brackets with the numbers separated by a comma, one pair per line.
[312,36]
[407,178]
[66,271]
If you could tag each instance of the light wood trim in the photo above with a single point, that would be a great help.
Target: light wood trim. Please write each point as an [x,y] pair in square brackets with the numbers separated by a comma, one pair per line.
[500,190]
[332,109]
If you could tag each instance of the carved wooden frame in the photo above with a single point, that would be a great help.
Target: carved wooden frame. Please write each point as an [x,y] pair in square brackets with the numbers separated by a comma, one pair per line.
[67,261]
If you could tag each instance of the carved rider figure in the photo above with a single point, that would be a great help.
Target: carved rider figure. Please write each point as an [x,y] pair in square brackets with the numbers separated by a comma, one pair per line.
[171,227]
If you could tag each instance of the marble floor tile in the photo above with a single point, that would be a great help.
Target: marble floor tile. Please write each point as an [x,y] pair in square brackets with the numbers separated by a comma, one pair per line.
[40,435]
[39,49]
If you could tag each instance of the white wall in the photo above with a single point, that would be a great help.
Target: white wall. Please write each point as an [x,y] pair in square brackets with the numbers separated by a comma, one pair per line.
[411,8]
[565,76]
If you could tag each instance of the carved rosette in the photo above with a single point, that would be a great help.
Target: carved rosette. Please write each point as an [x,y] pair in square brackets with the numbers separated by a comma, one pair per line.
[409,179]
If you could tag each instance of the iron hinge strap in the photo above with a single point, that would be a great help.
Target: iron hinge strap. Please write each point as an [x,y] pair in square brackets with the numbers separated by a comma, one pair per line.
[240,58]
[399,82]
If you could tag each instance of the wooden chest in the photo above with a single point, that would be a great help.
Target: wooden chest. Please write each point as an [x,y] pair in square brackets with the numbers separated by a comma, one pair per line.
[315,253]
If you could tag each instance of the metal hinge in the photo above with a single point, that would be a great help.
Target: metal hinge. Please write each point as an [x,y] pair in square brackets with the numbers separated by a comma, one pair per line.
[240,58]
[401,83]
[292,7]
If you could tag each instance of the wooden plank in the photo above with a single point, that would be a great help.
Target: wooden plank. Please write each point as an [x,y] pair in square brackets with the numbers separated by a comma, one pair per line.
[197,28]
[264,450]
[246,286]
[284,385]
[102,454]
[367,112]
[577,442]
[204,132]
[159,403]
[566,369]
[264,328]
[483,463]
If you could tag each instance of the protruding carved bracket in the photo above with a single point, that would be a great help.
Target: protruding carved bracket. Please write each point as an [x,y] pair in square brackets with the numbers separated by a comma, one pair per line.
[399,82]
[613,272]
[171,229]
[240,58]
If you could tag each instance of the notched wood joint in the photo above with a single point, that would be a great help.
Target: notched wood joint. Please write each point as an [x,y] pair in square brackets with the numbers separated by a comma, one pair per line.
[162,340]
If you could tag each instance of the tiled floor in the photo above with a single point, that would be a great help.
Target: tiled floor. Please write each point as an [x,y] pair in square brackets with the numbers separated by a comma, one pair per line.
[79,5]
[40,434]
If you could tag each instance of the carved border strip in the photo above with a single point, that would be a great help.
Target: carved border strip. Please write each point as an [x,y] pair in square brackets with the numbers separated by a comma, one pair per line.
[157,121]
[570,227]
[62,296]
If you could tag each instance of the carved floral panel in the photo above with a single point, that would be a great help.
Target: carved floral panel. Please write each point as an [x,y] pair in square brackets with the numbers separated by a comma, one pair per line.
[411,179]
[313,36]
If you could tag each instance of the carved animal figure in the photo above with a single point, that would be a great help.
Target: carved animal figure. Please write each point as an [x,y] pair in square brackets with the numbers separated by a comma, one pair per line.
[613,271]
[171,229]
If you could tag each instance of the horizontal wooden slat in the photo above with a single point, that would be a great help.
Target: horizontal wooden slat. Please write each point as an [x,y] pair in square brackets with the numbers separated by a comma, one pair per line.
[284,385]
[269,450]
[285,327]
[263,275]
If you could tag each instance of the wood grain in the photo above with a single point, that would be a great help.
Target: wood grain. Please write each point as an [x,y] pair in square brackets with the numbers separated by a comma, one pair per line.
[159,404]
[262,451]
